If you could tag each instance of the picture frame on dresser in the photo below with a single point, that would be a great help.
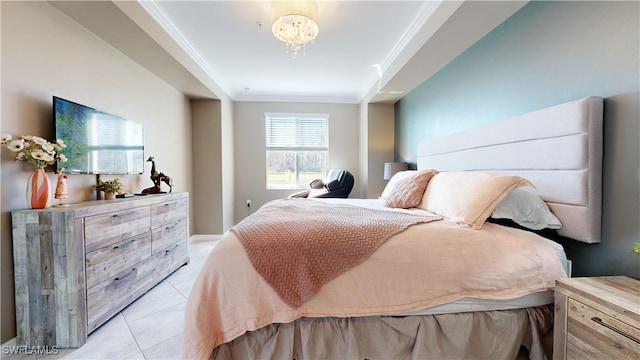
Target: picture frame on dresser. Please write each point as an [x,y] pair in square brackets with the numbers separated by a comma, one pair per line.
[76,267]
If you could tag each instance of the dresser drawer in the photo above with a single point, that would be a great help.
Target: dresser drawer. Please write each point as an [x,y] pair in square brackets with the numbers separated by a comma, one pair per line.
[110,296]
[575,351]
[594,334]
[169,211]
[169,259]
[106,229]
[111,260]
[169,234]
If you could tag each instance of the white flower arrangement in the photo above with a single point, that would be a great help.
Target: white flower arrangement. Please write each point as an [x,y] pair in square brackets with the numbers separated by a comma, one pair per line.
[34,149]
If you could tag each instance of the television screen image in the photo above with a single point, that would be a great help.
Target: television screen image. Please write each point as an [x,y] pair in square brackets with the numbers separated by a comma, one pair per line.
[98,142]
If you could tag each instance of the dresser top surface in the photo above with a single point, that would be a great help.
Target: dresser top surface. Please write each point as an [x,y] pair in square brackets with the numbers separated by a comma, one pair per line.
[93,207]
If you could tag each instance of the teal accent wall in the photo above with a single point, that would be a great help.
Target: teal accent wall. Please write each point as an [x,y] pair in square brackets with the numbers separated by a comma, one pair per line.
[546,54]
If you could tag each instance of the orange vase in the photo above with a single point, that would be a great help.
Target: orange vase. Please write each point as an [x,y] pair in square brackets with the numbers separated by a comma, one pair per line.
[38,190]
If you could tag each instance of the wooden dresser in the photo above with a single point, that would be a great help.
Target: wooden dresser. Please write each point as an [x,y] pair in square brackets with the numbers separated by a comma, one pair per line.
[597,318]
[77,266]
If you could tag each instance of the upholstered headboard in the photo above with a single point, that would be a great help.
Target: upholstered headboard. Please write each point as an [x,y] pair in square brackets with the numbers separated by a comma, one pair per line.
[558,149]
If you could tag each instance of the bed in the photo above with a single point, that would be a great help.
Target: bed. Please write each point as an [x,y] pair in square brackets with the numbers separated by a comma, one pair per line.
[425,275]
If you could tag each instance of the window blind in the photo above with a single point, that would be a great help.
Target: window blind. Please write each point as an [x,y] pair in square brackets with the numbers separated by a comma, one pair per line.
[296,132]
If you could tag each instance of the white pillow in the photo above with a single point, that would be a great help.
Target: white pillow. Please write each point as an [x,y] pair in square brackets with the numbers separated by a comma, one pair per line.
[397,177]
[528,210]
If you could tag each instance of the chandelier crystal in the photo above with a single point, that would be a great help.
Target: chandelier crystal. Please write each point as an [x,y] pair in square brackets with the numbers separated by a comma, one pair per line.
[295,23]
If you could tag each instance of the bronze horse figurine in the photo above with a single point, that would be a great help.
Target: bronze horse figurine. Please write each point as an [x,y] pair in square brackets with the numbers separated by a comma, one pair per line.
[157,178]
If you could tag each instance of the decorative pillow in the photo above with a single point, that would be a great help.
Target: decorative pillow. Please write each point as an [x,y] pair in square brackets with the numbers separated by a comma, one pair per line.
[389,189]
[316,184]
[528,210]
[408,192]
[467,197]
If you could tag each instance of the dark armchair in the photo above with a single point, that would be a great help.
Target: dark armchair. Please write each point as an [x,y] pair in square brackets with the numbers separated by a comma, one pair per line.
[337,184]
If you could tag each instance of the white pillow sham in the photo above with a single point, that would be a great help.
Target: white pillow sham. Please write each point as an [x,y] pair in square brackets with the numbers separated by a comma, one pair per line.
[527,210]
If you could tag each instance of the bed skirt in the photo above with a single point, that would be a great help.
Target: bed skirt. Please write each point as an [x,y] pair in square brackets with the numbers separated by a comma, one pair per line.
[472,335]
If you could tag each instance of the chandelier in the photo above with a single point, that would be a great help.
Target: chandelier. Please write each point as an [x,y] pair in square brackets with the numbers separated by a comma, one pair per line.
[295,23]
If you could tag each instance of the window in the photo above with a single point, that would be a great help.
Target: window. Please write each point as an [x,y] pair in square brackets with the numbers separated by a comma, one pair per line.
[297,148]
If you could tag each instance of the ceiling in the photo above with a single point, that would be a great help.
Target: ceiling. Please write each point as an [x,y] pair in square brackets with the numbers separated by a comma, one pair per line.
[374,51]
[235,41]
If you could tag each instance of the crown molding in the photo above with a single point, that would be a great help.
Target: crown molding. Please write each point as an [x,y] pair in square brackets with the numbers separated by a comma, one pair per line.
[425,13]
[152,8]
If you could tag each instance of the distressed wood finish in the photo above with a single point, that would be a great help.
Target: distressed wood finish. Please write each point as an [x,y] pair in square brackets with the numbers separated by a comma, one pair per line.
[49,279]
[75,267]
[112,295]
[106,229]
[167,261]
[166,235]
[597,318]
[168,211]
[111,260]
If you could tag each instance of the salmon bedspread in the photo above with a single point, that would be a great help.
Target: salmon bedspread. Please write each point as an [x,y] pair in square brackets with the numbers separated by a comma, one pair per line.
[425,265]
[319,242]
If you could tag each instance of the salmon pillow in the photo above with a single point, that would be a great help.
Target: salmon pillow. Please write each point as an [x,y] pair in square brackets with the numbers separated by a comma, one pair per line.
[397,177]
[468,197]
[409,191]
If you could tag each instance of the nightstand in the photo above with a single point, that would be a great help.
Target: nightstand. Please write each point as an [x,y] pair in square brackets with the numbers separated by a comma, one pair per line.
[597,318]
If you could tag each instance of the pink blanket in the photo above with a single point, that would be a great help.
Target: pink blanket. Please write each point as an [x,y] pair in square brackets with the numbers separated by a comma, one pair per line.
[298,245]
[426,265]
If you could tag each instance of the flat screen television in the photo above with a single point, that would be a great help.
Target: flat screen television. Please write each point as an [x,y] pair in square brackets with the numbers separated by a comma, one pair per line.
[97,142]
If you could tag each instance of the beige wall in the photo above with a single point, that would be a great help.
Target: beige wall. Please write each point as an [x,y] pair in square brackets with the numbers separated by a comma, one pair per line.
[207,162]
[43,54]
[228,164]
[380,145]
[363,142]
[249,148]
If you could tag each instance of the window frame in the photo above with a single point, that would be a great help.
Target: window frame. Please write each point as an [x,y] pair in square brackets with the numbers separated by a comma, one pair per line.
[296,149]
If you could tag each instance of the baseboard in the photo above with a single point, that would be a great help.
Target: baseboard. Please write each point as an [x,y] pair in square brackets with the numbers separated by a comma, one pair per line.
[203,238]
[11,342]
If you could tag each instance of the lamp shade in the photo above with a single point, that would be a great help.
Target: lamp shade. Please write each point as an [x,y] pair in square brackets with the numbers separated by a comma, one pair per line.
[391,168]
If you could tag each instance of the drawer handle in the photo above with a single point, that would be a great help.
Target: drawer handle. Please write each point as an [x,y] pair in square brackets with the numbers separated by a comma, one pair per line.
[171,248]
[126,275]
[599,321]
[129,213]
[118,247]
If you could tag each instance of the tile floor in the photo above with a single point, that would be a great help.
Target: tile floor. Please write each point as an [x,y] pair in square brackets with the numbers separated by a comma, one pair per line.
[149,328]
